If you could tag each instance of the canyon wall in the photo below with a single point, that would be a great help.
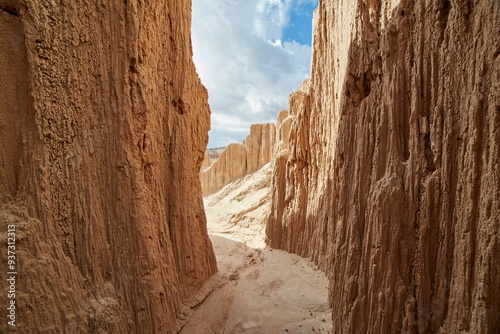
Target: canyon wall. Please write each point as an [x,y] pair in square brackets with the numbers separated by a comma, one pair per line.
[238,160]
[103,128]
[259,144]
[389,175]
[206,161]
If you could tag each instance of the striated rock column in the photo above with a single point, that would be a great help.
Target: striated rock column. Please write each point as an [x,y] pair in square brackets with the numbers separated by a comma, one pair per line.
[238,160]
[259,144]
[103,137]
[389,178]
[231,165]
[206,161]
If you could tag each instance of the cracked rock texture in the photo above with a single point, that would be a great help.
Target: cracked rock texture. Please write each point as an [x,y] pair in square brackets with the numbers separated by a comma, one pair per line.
[387,165]
[238,160]
[103,129]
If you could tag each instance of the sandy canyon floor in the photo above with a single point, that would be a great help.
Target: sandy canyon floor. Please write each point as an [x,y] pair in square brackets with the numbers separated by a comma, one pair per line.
[258,290]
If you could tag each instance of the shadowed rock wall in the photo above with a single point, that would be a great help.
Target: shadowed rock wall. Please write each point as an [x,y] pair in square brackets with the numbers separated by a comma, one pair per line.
[103,135]
[389,177]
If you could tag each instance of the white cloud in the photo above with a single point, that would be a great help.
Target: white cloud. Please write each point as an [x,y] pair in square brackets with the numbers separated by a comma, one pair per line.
[272,17]
[242,61]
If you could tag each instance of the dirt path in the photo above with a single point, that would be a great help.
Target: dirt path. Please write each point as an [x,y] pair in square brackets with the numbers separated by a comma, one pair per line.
[259,290]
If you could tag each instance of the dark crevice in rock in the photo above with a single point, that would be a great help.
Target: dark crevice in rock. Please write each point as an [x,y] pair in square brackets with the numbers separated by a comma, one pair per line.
[9,10]
[429,156]
[133,65]
[178,104]
[445,9]
[359,87]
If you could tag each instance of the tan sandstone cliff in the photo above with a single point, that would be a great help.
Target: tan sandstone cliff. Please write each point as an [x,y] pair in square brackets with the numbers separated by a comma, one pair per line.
[206,161]
[390,175]
[238,160]
[103,128]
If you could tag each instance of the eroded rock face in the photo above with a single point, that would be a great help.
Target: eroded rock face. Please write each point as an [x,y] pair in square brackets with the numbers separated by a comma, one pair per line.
[240,159]
[259,144]
[206,161]
[231,165]
[103,137]
[389,178]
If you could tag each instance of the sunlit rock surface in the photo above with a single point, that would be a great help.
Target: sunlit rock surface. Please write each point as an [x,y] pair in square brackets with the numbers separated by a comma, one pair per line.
[238,160]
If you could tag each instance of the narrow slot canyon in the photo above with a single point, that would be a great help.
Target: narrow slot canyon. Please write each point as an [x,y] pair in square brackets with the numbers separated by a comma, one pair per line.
[257,289]
[339,177]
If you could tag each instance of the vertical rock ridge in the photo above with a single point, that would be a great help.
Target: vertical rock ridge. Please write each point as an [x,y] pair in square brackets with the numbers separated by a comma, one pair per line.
[206,161]
[238,160]
[110,124]
[389,176]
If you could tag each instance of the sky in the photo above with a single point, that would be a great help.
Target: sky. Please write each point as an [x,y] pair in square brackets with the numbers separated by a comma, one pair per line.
[250,55]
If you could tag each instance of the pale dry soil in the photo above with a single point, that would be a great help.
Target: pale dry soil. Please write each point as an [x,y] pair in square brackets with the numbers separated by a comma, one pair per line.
[259,290]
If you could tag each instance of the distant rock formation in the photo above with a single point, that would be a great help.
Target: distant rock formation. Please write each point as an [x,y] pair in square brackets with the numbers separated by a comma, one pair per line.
[206,161]
[259,144]
[240,159]
[103,127]
[389,175]
[214,153]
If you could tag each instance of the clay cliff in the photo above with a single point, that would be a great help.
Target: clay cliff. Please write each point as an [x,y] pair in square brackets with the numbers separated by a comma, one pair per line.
[238,160]
[259,144]
[206,161]
[103,129]
[387,170]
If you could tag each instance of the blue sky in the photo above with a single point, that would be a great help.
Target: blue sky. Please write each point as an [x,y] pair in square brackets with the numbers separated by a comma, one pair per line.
[299,28]
[250,54]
